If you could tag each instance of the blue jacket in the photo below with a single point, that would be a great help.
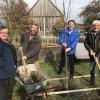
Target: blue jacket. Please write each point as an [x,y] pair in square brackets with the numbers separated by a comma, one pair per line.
[71,39]
[8,60]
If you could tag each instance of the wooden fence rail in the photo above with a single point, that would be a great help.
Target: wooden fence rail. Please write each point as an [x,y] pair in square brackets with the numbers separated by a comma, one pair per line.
[50,40]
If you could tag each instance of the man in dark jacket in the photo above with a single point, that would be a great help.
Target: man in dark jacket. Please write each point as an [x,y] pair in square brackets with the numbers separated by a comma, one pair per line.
[8,62]
[31,45]
[92,44]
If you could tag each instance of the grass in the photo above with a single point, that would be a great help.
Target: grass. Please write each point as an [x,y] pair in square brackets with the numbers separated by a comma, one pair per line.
[50,70]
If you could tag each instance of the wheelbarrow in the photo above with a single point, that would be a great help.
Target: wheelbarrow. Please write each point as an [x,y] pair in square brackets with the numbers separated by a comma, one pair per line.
[34,81]
[37,85]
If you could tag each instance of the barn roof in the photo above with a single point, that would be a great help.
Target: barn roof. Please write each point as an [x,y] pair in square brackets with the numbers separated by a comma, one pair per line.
[45,8]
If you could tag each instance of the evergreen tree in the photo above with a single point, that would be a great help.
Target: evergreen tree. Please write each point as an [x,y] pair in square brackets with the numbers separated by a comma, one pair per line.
[90,13]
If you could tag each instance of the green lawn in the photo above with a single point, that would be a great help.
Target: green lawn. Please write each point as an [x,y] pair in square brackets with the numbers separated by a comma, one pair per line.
[50,70]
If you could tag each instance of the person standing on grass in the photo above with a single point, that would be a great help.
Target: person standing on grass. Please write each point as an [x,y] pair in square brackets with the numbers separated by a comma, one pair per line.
[30,43]
[8,62]
[69,46]
[92,44]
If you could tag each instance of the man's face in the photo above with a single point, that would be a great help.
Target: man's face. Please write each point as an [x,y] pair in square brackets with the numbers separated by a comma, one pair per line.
[71,25]
[96,27]
[4,34]
[34,29]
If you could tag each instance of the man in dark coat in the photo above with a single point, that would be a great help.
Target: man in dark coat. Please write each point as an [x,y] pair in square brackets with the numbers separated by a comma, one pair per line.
[92,44]
[8,62]
[31,44]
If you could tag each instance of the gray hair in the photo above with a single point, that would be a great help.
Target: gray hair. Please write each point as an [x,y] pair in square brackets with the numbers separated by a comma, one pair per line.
[95,22]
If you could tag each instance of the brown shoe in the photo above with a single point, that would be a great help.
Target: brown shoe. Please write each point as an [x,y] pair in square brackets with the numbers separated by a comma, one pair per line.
[93,83]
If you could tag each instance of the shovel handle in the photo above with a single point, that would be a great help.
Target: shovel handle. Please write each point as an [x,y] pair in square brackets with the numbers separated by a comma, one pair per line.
[96,61]
[24,64]
[23,61]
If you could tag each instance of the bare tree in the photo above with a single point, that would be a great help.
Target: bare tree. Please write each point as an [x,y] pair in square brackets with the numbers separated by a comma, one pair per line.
[13,12]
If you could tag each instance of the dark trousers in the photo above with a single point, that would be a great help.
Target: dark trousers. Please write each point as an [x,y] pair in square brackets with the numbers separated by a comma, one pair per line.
[62,60]
[71,62]
[4,83]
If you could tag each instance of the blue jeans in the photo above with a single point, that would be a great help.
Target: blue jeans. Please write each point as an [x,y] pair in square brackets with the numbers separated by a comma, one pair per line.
[92,70]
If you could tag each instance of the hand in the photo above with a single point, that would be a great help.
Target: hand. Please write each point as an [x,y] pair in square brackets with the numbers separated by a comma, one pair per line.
[20,48]
[64,44]
[96,59]
[24,58]
[92,52]
[68,49]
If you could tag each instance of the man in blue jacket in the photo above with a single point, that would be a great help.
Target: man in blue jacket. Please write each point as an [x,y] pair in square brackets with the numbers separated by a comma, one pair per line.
[69,40]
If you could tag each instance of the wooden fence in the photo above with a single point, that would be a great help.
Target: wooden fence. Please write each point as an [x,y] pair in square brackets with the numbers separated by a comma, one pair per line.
[54,40]
[50,40]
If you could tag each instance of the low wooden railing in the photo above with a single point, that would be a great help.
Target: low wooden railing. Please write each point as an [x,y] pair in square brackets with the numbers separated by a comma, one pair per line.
[54,40]
[50,40]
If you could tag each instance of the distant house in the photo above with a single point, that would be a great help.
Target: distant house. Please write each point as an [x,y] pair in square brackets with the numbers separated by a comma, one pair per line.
[46,14]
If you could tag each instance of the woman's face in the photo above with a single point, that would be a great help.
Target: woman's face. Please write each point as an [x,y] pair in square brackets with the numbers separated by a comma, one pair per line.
[71,25]
[4,34]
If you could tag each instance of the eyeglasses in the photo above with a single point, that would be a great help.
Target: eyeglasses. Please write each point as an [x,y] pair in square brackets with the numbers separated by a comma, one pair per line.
[3,33]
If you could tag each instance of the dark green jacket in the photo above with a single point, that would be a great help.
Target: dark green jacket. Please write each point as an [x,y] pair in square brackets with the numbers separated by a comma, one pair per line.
[31,47]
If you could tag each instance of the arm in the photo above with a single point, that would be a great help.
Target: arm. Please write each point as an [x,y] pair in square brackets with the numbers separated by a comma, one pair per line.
[2,64]
[75,40]
[62,38]
[34,51]
[22,39]
[98,45]
[15,55]
[86,43]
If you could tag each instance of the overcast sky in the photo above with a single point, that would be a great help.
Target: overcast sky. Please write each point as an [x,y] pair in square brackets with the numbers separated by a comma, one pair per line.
[76,7]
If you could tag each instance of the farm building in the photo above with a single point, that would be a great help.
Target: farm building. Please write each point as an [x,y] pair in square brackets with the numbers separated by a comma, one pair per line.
[46,14]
